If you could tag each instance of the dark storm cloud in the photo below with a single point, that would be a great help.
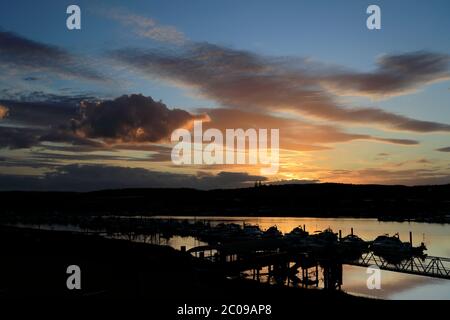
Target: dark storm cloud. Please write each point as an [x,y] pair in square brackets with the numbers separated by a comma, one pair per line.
[90,123]
[246,81]
[96,177]
[133,118]
[19,53]
[17,138]
[27,123]
[39,113]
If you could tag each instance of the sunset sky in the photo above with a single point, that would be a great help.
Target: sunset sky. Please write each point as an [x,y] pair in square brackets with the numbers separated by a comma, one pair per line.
[94,108]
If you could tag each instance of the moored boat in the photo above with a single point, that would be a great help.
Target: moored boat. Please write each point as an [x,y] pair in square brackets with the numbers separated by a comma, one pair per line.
[252,231]
[327,236]
[296,233]
[353,246]
[394,250]
[272,232]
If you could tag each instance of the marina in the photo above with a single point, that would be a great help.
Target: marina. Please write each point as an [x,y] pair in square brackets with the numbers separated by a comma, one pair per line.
[298,251]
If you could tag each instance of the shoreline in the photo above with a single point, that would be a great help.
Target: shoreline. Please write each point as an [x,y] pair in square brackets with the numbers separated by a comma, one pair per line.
[36,262]
[423,203]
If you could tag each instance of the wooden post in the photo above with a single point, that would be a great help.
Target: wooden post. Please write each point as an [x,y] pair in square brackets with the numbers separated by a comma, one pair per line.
[307,280]
[411,243]
[303,277]
[340,235]
[317,275]
[183,248]
[351,231]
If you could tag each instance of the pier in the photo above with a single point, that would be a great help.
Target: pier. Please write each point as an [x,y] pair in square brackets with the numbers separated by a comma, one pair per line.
[301,265]
[297,257]
[429,266]
[236,248]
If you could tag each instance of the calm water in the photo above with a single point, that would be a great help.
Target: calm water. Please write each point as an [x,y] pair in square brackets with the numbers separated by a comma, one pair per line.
[393,285]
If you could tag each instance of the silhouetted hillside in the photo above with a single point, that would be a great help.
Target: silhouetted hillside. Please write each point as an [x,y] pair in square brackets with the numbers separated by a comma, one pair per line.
[329,200]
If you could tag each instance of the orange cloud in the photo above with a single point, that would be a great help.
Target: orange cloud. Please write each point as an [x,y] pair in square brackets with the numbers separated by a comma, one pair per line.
[3,112]
[241,79]
[294,134]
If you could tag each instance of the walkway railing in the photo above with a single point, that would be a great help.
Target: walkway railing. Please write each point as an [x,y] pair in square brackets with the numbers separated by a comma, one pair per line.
[430,266]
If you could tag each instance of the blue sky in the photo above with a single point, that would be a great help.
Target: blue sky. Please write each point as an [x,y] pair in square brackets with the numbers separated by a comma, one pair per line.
[329,31]
[331,36]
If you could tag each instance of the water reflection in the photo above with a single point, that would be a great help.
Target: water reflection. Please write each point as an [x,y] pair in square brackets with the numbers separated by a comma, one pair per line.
[175,241]
[394,285]
[435,236]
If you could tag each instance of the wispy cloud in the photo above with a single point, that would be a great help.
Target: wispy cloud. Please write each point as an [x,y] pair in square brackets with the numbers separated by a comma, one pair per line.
[418,176]
[245,80]
[394,75]
[147,27]
[295,134]
[24,55]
